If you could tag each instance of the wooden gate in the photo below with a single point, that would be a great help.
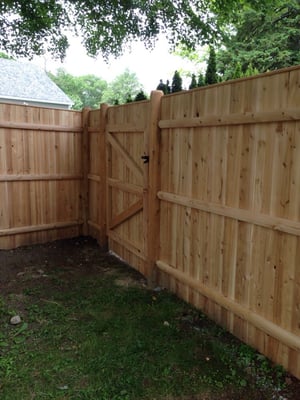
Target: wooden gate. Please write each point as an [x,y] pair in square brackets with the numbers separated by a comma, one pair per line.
[131,133]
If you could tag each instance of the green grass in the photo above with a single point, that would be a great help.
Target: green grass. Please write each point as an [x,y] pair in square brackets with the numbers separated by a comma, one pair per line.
[90,339]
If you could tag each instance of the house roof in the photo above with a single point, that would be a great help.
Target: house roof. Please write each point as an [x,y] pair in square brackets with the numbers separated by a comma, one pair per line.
[27,82]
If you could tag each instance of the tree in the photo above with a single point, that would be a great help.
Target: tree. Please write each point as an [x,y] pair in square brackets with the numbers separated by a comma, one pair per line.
[168,88]
[164,87]
[211,70]
[140,96]
[201,80]
[238,73]
[266,40]
[124,87]
[193,83]
[85,91]
[176,82]
[32,27]
[250,71]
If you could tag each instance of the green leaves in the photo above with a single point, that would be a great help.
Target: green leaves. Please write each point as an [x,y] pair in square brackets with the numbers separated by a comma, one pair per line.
[107,27]
[267,39]
[123,87]
[85,91]
[25,28]
[91,91]
[22,329]
[211,71]
[176,82]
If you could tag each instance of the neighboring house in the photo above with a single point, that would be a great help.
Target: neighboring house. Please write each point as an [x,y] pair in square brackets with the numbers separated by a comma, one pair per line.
[25,83]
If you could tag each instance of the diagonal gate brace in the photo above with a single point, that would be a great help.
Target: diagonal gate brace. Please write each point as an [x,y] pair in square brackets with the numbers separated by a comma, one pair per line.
[125,215]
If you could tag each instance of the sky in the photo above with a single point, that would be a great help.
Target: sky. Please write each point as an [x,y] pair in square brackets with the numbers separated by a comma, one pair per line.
[149,65]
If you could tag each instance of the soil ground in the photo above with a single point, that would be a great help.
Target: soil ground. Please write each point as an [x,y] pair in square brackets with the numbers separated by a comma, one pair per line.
[76,258]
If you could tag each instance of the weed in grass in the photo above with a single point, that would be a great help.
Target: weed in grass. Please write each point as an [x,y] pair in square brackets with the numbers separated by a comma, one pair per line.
[32,291]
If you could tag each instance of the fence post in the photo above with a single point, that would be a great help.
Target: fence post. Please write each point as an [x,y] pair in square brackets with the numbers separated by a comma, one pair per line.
[85,170]
[152,203]
[103,241]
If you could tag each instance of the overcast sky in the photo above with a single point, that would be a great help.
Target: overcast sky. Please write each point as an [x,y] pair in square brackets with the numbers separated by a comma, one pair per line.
[150,66]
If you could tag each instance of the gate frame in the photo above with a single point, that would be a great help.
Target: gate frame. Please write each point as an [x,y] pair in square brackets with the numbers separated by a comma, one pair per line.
[149,203]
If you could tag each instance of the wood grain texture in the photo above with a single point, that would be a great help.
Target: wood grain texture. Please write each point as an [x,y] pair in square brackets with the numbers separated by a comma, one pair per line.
[40,174]
[230,215]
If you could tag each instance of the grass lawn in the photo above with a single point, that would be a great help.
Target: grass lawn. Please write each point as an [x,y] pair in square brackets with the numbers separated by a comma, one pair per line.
[90,329]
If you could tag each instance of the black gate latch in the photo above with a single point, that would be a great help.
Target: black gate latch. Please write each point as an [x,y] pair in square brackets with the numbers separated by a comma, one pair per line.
[146,159]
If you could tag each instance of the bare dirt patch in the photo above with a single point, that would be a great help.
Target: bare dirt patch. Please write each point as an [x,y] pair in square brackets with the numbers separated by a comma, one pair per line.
[69,259]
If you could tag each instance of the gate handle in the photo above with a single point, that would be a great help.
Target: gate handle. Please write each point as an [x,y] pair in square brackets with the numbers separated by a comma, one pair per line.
[146,159]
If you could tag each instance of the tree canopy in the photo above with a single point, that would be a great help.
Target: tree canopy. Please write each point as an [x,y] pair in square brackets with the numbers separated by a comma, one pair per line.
[124,88]
[264,40]
[33,27]
[256,40]
[90,90]
[85,90]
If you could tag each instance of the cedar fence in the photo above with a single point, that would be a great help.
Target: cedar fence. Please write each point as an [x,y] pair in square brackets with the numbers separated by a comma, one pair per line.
[40,174]
[198,190]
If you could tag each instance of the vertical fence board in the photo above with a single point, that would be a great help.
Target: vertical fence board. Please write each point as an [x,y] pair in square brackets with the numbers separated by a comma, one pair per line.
[85,148]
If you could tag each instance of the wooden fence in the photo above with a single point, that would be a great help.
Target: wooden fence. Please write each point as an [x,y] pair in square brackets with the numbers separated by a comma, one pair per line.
[215,214]
[230,207]
[199,191]
[40,174]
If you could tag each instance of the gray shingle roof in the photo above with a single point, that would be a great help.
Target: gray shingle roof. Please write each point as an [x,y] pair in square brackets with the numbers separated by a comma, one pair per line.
[25,81]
